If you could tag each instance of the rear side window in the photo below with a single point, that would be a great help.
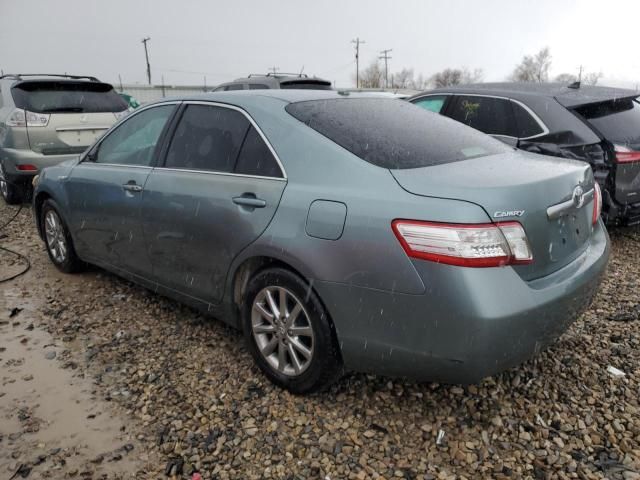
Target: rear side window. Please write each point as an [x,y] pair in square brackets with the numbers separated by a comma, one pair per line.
[391,133]
[618,121]
[431,103]
[489,115]
[256,158]
[207,138]
[67,97]
[526,125]
[306,85]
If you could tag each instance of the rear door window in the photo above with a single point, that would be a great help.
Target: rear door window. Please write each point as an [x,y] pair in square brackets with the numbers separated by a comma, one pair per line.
[255,157]
[258,86]
[433,103]
[618,121]
[493,116]
[391,133]
[134,141]
[207,138]
[526,125]
[235,86]
[67,97]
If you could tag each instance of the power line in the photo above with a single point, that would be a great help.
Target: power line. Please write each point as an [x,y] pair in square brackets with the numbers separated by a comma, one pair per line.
[385,56]
[146,54]
[358,42]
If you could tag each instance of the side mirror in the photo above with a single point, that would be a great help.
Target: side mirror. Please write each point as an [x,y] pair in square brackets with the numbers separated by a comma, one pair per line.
[511,141]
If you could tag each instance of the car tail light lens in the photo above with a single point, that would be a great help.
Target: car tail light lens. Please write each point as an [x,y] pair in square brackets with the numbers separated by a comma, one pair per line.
[27,168]
[597,202]
[474,245]
[25,118]
[626,155]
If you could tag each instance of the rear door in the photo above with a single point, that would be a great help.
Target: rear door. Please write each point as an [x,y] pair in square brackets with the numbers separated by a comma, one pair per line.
[618,122]
[70,115]
[105,191]
[216,192]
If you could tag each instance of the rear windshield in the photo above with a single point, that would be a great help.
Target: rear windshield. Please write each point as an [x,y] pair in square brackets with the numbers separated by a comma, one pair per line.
[67,97]
[618,121]
[305,85]
[393,133]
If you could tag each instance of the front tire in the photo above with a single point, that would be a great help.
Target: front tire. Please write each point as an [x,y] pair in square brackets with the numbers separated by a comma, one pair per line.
[288,332]
[58,239]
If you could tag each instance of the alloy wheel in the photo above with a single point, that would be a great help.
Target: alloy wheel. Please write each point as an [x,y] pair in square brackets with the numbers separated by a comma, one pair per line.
[54,232]
[282,330]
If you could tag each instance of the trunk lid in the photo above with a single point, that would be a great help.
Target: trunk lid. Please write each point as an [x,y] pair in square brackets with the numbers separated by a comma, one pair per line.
[68,133]
[518,186]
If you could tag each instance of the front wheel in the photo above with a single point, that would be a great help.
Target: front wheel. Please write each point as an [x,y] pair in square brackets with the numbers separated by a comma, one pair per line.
[289,333]
[58,239]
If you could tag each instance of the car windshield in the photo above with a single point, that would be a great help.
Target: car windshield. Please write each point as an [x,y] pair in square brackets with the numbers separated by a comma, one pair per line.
[67,97]
[617,120]
[393,134]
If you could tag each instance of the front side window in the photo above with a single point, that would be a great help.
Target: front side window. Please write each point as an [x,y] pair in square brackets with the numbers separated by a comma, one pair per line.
[489,115]
[432,103]
[207,138]
[134,141]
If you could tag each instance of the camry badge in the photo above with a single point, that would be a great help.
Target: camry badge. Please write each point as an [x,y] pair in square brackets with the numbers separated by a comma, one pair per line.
[508,213]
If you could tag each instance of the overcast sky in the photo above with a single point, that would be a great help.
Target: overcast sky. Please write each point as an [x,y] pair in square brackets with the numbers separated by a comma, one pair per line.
[225,40]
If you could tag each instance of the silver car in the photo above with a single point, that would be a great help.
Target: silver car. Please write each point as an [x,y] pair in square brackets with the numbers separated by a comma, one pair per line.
[338,231]
[46,119]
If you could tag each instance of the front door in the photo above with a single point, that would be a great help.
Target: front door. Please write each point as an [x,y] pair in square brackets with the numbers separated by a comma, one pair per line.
[216,193]
[105,192]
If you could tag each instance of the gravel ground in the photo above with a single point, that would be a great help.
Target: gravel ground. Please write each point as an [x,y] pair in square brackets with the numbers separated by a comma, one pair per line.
[190,396]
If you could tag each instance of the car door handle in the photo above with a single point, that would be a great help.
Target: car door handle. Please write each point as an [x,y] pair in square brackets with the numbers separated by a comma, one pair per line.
[249,201]
[132,187]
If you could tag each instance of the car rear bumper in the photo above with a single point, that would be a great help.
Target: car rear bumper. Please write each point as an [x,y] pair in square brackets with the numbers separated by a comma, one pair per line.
[471,323]
[11,159]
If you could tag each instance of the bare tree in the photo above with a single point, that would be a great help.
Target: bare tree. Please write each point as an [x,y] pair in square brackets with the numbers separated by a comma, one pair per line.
[566,78]
[403,78]
[420,83]
[592,78]
[533,68]
[456,76]
[372,76]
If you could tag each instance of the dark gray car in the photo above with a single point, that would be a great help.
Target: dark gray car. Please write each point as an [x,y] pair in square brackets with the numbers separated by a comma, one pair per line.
[336,231]
[597,125]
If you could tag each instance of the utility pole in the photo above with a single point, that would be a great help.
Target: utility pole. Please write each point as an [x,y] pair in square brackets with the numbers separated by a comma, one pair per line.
[120,80]
[146,54]
[580,75]
[385,56]
[358,42]
[274,70]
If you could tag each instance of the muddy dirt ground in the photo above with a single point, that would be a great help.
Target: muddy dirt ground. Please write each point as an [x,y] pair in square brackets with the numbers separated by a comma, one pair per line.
[100,378]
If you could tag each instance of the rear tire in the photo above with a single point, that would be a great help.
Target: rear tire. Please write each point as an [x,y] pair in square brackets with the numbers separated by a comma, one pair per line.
[58,240]
[294,345]
[11,193]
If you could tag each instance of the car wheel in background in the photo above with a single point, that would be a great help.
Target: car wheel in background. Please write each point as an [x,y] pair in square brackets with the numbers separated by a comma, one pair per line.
[289,333]
[11,193]
[58,240]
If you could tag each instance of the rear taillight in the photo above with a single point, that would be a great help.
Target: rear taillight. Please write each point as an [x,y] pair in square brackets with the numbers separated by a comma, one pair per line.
[597,203]
[27,167]
[22,118]
[474,245]
[625,154]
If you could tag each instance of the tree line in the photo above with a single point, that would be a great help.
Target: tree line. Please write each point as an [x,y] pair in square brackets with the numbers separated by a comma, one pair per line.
[532,68]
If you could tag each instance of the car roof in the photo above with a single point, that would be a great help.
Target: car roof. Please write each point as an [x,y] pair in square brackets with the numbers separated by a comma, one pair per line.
[245,97]
[275,80]
[568,97]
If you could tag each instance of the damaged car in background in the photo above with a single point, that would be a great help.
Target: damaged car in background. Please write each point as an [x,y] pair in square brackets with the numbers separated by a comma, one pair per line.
[47,119]
[598,125]
[265,210]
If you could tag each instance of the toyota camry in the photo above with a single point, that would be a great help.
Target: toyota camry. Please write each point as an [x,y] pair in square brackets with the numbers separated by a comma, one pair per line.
[337,231]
